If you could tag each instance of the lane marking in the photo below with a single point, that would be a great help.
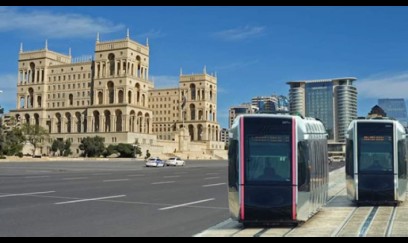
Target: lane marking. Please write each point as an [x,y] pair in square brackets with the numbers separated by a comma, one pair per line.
[135,175]
[25,194]
[174,176]
[74,178]
[35,177]
[99,174]
[218,184]
[114,180]
[210,178]
[162,182]
[187,204]
[90,199]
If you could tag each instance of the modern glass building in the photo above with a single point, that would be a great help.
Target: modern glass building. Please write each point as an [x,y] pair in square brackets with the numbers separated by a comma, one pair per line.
[271,104]
[333,101]
[395,108]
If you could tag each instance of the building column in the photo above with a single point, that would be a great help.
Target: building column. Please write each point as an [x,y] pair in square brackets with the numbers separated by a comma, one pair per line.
[125,123]
[102,122]
[90,127]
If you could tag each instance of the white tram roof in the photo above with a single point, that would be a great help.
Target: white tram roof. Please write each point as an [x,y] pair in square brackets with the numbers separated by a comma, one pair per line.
[306,124]
[398,125]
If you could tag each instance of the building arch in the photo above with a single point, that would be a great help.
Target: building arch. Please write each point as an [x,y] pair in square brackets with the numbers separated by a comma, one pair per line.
[100,98]
[107,118]
[120,97]
[36,119]
[78,122]
[129,97]
[191,132]
[69,121]
[30,98]
[111,92]
[111,58]
[140,121]
[118,114]
[58,122]
[32,72]
[132,119]
[96,121]
[193,91]
[192,112]
[27,118]
[137,86]
[147,122]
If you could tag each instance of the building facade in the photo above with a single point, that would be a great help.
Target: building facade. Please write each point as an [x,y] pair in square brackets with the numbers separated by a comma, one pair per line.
[333,101]
[395,108]
[271,104]
[234,111]
[109,95]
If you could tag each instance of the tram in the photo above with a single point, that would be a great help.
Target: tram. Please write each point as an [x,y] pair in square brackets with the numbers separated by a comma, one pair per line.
[277,168]
[376,161]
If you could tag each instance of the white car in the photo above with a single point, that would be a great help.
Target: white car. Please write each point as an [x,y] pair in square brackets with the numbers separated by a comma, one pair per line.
[155,162]
[174,161]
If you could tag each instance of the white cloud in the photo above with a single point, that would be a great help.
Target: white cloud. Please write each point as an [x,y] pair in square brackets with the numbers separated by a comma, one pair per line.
[55,25]
[8,84]
[151,34]
[240,33]
[391,85]
[165,81]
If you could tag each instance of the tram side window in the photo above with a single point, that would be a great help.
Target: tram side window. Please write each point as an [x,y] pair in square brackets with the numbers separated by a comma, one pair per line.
[402,162]
[349,158]
[233,163]
[303,167]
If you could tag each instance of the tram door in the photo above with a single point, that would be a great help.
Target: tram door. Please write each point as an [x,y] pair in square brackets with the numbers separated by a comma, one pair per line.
[375,157]
[268,171]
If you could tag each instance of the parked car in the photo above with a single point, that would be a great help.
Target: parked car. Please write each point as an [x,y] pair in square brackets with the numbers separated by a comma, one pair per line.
[174,161]
[155,162]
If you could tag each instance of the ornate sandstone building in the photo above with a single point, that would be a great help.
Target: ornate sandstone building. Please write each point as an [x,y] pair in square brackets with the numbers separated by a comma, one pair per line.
[111,95]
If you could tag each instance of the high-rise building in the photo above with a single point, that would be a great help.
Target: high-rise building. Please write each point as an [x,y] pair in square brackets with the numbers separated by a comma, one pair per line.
[271,104]
[224,134]
[234,111]
[395,108]
[333,101]
[110,94]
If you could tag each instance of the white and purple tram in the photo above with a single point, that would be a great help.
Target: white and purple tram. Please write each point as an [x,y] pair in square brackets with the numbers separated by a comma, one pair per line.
[277,168]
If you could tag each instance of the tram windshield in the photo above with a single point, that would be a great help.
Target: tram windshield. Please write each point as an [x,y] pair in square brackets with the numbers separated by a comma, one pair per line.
[375,152]
[268,150]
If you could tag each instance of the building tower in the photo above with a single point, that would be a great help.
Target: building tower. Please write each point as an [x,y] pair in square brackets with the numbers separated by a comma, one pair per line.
[333,101]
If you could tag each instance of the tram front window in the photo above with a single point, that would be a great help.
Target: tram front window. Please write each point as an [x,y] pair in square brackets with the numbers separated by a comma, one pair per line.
[375,150]
[268,148]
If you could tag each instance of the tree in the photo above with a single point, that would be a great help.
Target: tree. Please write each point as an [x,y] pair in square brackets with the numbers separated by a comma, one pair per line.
[34,134]
[12,142]
[67,148]
[147,154]
[57,145]
[92,146]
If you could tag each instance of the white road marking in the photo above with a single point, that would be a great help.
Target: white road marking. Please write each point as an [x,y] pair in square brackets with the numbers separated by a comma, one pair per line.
[25,194]
[135,175]
[35,177]
[99,174]
[218,184]
[90,199]
[115,180]
[212,173]
[74,178]
[210,178]
[187,204]
[162,182]
[175,176]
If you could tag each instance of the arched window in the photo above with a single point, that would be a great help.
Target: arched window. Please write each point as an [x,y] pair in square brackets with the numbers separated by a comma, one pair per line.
[39,101]
[192,112]
[111,90]
[129,97]
[69,122]
[118,114]
[193,91]
[78,122]
[96,121]
[58,122]
[100,98]
[30,98]
[71,99]
[111,58]
[120,96]
[107,121]
[191,131]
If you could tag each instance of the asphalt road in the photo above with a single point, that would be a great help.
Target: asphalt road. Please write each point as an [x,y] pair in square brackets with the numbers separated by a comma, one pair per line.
[111,198]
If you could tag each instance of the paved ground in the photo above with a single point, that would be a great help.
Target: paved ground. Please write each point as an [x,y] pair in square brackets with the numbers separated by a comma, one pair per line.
[108,198]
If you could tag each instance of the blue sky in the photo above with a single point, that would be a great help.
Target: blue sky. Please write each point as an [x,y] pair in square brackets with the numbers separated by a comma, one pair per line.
[254,50]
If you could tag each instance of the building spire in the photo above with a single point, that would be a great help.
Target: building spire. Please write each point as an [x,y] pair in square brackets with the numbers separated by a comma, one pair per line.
[205,70]
[97,37]
[147,41]
[46,44]
[127,34]
[69,52]
[21,47]
[181,71]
